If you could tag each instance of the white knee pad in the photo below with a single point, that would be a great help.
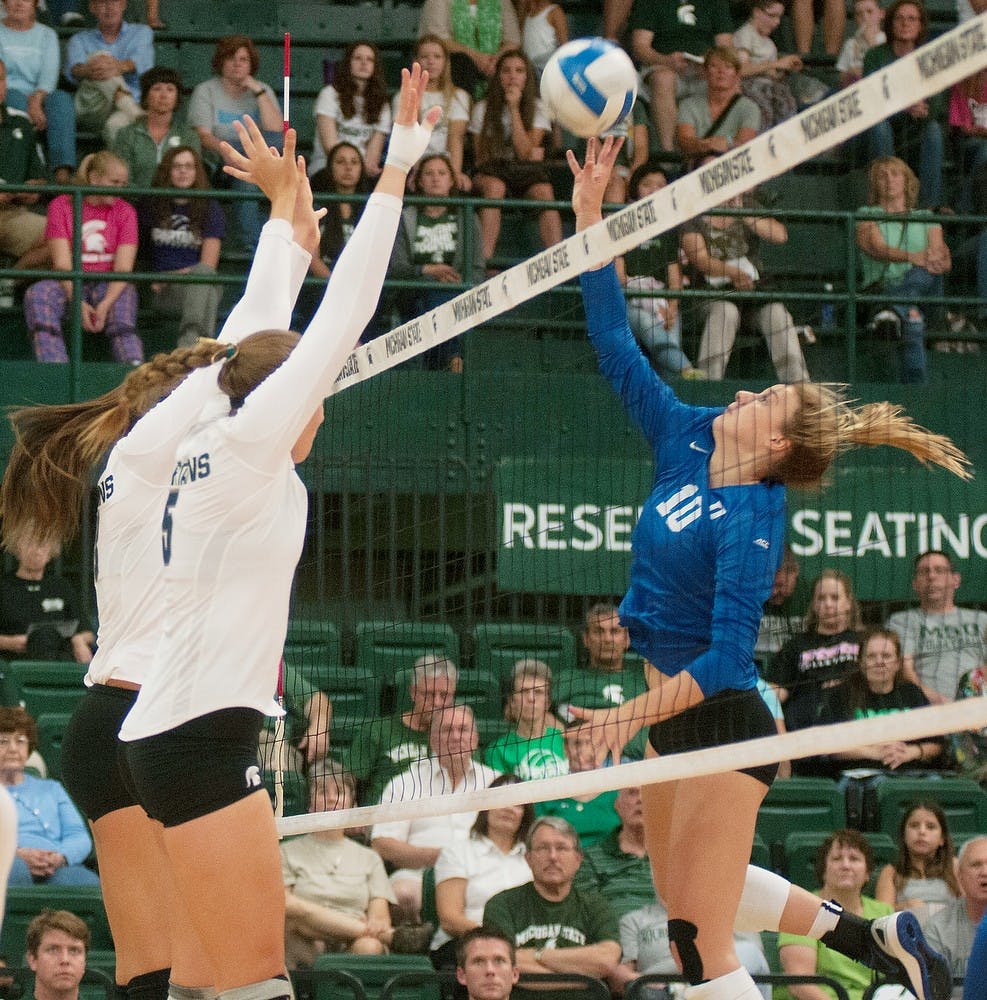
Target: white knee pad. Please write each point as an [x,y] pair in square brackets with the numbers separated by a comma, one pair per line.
[736,985]
[762,902]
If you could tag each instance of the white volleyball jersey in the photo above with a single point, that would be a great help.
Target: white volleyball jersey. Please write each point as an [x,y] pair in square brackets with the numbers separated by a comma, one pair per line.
[235,516]
[135,482]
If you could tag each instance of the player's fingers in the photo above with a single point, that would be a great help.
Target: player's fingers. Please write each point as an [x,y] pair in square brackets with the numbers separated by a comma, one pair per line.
[573,163]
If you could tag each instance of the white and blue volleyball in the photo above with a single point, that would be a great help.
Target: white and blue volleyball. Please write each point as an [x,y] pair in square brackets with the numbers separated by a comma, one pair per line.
[589,85]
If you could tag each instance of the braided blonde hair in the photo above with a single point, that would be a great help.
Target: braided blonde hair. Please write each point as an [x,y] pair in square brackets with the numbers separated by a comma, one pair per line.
[56,447]
[827,424]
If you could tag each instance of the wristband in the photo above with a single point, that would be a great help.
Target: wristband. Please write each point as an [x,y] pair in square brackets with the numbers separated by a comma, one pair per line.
[406,145]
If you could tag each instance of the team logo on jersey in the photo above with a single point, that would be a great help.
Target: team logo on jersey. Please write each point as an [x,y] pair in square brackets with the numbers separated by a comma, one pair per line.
[681,508]
[614,693]
[252,778]
[686,13]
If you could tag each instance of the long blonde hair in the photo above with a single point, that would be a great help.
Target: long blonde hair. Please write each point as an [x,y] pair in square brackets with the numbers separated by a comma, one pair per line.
[827,424]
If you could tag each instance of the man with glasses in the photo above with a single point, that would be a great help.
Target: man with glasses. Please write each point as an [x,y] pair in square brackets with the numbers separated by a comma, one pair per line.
[106,63]
[555,927]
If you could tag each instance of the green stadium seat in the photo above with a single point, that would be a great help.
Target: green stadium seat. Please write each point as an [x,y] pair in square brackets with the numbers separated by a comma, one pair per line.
[807,804]
[326,984]
[375,971]
[385,647]
[800,855]
[302,631]
[24,903]
[480,689]
[352,693]
[51,730]
[498,646]
[42,686]
[760,853]
[963,801]
[430,915]
[318,662]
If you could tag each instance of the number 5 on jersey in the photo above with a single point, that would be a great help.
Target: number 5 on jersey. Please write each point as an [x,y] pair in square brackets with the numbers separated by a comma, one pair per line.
[166,526]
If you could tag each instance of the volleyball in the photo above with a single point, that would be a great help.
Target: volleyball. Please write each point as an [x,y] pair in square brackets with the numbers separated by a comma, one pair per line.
[589,85]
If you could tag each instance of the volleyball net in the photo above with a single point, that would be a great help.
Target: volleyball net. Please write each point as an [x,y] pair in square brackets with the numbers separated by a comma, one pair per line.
[509,518]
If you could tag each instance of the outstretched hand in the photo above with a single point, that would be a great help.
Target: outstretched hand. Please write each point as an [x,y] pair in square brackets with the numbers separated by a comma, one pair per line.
[590,180]
[409,139]
[306,217]
[275,173]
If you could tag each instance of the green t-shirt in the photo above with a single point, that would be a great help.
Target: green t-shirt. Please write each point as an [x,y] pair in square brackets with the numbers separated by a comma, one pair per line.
[911,235]
[853,976]
[682,25]
[435,239]
[598,688]
[592,820]
[624,880]
[538,757]
[387,748]
[582,918]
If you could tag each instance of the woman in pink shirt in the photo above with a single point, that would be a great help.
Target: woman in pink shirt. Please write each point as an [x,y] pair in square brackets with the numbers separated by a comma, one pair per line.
[109,243]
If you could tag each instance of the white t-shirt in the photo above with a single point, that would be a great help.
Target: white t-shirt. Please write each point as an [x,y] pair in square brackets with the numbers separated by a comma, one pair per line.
[135,482]
[354,129]
[237,510]
[458,111]
[540,119]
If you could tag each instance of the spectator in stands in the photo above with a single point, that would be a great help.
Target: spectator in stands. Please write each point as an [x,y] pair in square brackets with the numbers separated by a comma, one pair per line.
[40,614]
[57,944]
[723,253]
[430,246]
[486,965]
[534,747]
[721,118]
[342,174]
[868,16]
[668,40]
[844,864]
[952,930]
[652,267]
[337,896]
[780,620]
[52,839]
[878,687]
[833,24]
[821,656]
[109,243]
[922,876]
[22,231]
[106,63]
[591,815]
[143,144]
[218,102]
[508,127]
[354,108]
[183,235]
[307,725]
[904,258]
[66,13]
[543,29]
[33,59]
[968,122]
[410,846]
[556,927]
[476,32]
[764,73]
[395,742]
[970,257]
[917,133]
[940,641]
[469,872]
[449,136]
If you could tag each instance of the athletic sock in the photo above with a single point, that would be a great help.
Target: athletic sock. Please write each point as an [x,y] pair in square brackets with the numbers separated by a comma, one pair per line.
[149,985]
[736,985]
[268,989]
[826,920]
[176,992]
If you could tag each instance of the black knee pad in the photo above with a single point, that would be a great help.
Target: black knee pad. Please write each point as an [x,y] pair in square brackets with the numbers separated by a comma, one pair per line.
[149,985]
[683,935]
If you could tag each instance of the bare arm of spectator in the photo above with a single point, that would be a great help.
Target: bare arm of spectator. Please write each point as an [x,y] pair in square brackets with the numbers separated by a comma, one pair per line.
[798,960]
[450,904]
[314,744]
[404,855]
[598,960]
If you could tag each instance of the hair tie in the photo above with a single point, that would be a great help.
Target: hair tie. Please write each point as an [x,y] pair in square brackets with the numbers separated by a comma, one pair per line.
[226,354]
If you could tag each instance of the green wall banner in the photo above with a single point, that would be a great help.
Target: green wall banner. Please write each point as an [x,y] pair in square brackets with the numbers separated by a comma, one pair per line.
[564,526]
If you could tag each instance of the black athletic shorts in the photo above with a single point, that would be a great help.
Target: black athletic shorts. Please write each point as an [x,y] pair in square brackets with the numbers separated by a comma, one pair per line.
[198,767]
[93,764]
[726,717]
[517,175]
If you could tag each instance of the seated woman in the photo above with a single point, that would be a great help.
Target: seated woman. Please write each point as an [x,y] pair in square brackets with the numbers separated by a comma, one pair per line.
[878,687]
[922,876]
[184,235]
[534,748]
[468,873]
[337,894]
[52,839]
[722,249]
[508,127]
[844,864]
[904,257]
[109,243]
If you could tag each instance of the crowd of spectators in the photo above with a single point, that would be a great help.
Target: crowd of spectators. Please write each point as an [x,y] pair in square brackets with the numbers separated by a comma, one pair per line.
[711,81]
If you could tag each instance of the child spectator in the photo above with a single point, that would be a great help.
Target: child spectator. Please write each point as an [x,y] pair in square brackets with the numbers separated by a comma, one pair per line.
[183,236]
[449,136]
[109,243]
[508,127]
[763,72]
[868,17]
[354,108]
[543,29]
[142,144]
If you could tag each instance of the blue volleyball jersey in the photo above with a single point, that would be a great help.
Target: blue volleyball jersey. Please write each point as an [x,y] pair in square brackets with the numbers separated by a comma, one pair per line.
[703,558]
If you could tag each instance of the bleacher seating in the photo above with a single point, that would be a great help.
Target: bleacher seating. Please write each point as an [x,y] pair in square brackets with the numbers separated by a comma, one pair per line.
[51,730]
[43,686]
[25,903]
[963,801]
[497,646]
[385,648]
[375,971]
[807,804]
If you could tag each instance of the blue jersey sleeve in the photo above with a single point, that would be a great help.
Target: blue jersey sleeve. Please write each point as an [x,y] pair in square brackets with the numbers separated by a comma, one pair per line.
[648,401]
